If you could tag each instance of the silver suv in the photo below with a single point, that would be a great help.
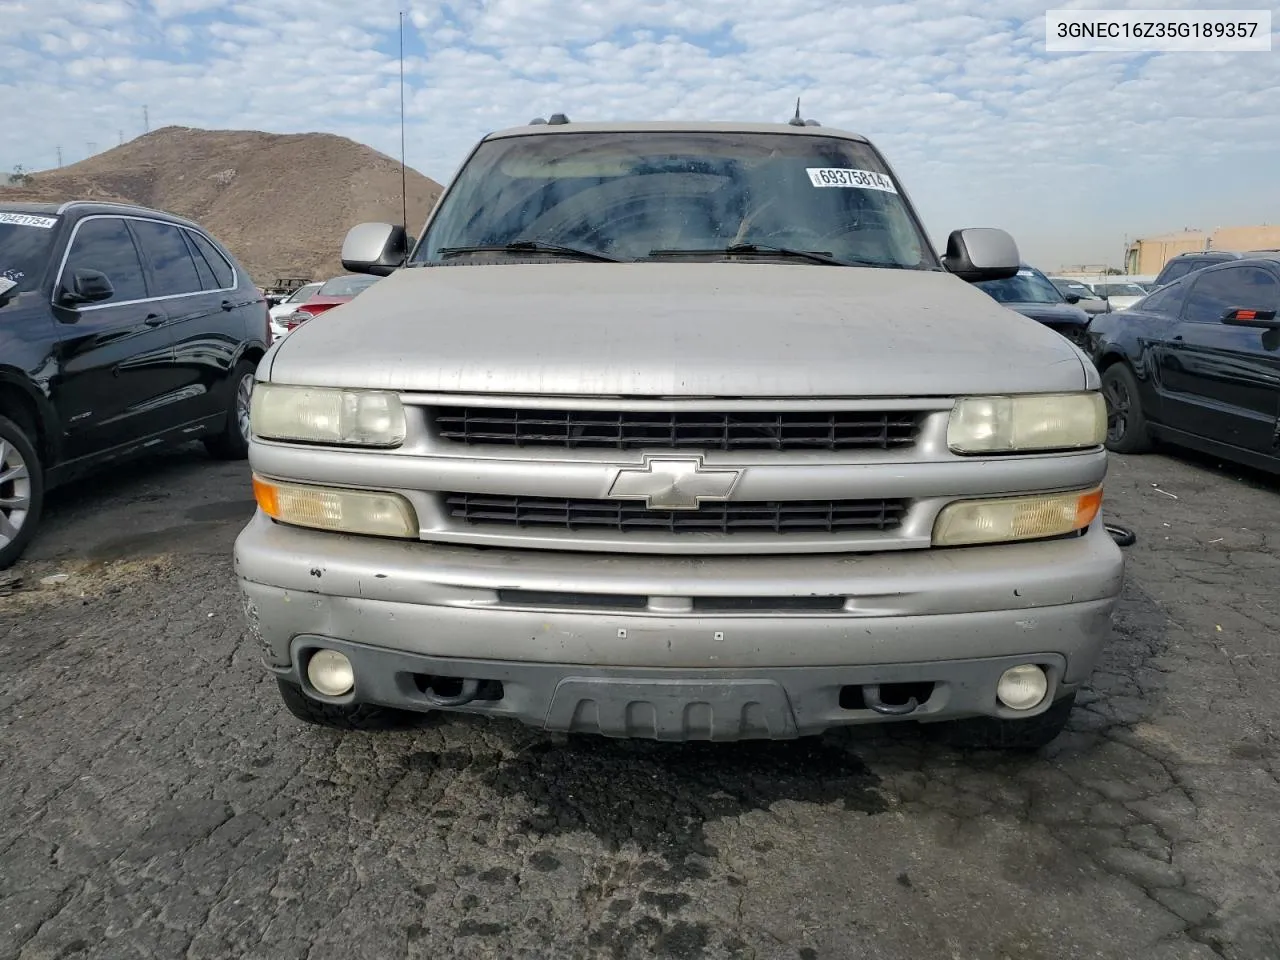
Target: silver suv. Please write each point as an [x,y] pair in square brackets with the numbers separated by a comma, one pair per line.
[679,431]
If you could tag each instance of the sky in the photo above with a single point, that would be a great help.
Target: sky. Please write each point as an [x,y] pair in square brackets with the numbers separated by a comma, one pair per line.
[1073,153]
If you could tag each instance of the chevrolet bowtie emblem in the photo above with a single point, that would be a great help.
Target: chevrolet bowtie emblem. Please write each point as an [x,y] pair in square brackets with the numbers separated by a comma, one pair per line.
[673,483]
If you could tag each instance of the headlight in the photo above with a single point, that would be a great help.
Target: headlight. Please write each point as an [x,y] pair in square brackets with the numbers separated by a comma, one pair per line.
[368,418]
[331,508]
[1015,518]
[1041,421]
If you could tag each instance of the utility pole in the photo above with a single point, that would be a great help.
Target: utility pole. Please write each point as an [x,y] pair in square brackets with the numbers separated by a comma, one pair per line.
[120,136]
[59,154]
[146,119]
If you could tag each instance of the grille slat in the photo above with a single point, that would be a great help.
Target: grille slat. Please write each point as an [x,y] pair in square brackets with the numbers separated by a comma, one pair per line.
[627,516]
[628,430]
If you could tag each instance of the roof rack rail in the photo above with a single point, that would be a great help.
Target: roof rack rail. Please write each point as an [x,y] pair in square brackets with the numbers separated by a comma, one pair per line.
[119,205]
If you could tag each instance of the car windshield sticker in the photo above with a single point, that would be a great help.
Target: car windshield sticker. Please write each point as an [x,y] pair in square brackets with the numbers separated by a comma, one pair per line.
[27,220]
[858,179]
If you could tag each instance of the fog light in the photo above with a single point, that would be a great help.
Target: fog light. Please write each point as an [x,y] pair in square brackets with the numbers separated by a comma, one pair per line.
[1022,687]
[331,674]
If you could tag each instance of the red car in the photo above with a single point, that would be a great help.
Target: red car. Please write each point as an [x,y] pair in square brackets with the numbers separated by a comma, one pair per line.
[332,294]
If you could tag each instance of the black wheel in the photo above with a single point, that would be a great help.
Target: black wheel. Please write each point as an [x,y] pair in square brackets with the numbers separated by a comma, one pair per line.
[1126,423]
[360,716]
[991,733]
[233,442]
[21,491]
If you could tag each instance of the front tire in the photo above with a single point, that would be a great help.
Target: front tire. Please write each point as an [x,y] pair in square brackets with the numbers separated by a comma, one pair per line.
[233,442]
[993,733]
[1127,430]
[21,491]
[337,716]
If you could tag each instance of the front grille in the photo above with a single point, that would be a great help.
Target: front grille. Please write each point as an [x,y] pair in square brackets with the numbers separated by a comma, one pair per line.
[587,601]
[631,516]
[628,430]
[768,604]
[697,605]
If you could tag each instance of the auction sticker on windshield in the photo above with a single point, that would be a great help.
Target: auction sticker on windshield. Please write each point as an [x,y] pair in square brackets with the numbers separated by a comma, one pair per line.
[27,220]
[840,177]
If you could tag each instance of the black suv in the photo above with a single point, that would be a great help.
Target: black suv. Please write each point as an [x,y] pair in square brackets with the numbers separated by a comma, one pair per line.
[1184,263]
[121,328]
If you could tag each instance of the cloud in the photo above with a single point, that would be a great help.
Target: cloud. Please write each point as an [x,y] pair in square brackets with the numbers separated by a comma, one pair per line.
[1070,151]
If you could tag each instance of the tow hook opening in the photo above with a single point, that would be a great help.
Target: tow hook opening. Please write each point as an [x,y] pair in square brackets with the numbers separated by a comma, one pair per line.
[456,691]
[890,699]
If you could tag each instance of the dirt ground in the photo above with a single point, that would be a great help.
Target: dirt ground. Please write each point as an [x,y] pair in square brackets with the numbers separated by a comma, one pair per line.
[157,801]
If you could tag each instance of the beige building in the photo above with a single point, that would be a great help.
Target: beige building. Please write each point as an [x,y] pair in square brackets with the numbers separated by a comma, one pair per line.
[1149,254]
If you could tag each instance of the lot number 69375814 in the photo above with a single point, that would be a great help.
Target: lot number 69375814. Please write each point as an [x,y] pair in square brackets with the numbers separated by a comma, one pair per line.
[838,177]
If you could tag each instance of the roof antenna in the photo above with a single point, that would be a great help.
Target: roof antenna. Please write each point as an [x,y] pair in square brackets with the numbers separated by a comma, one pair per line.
[796,121]
[404,191]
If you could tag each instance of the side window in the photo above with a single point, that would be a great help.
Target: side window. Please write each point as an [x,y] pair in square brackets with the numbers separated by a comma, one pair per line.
[1166,301]
[104,244]
[1175,270]
[171,264]
[1217,291]
[207,280]
[213,257]
[1262,289]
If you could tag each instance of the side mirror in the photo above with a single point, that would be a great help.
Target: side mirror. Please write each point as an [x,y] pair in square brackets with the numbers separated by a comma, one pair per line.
[88,286]
[981,253]
[375,248]
[1072,298]
[1242,317]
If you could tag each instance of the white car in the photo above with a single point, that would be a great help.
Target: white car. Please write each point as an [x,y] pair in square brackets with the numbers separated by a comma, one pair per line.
[288,305]
[1120,292]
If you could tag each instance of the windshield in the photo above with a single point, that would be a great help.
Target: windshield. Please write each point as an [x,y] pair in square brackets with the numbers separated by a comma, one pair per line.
[626,195]
[1079,289]
[24,246]
[346,286]
[1027,287]
[1121,290]
[303,293]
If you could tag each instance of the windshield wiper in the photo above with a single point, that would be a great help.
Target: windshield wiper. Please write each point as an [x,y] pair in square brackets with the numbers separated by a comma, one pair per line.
[530,246]
[764,249]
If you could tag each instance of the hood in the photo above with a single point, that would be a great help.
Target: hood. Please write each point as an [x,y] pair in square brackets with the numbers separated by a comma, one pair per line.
[676,329]
[1123,303]
[1093,307]
[1057,313]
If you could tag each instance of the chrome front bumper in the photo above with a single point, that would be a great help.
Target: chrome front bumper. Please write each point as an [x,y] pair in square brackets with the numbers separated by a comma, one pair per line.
[409,612]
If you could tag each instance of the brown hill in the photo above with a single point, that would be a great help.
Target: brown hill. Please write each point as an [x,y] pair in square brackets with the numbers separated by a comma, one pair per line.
[281,203]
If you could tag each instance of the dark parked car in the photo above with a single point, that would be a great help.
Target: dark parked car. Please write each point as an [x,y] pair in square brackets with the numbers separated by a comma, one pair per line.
[121,328]
[1031,294]
[1187,263]
[1197,363]
[1089,301]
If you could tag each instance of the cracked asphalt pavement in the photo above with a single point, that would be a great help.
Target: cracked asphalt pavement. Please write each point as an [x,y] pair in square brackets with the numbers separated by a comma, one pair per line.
[157,801]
